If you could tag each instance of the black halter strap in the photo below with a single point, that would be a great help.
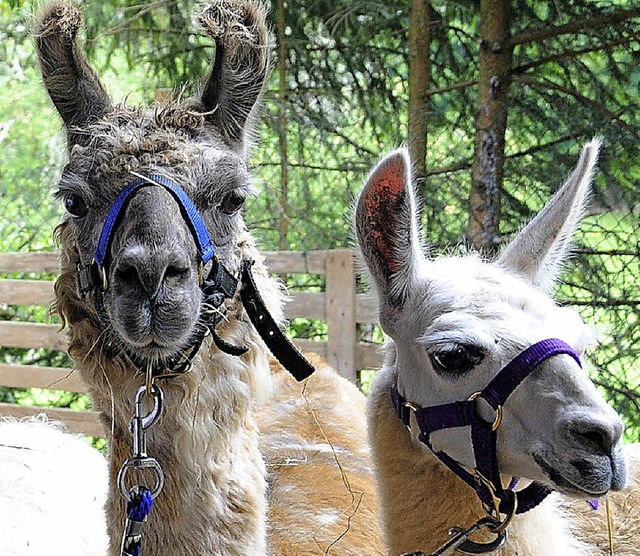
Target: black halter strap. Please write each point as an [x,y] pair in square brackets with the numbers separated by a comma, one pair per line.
[279,345]
[220,284]
[485,478]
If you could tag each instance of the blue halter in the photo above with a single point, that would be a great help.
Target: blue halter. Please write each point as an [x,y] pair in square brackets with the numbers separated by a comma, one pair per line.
[189,212]
[220,284]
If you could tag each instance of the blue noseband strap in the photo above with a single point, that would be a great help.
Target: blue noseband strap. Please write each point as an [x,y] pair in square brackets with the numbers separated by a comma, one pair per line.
[188,209]
[218,285]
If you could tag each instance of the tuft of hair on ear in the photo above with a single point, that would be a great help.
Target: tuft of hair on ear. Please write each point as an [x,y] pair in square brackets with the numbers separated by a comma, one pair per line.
[59,18]
[240,68]
[238,24]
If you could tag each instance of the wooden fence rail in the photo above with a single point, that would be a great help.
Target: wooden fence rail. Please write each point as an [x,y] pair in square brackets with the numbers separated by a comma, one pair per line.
[339,305]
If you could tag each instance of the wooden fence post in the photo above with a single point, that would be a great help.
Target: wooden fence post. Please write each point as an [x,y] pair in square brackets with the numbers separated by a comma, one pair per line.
[340,299]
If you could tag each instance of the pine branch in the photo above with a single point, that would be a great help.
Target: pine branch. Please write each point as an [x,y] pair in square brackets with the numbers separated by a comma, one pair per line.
[547,85]
[466,164]
[319,167]
[577,26]
[625,391]
[575,53]
[454,87]
[601,303]
[608,252]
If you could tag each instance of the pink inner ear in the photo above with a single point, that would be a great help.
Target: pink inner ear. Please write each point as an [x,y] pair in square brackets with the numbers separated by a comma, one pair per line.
[386,187]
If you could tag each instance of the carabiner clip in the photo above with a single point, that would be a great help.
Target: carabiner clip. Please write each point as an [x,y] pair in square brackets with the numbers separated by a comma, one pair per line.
[140,423]
[462,543]
[139,426]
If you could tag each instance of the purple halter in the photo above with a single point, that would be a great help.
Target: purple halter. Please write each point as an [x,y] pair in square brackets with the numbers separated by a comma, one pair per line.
[485,479]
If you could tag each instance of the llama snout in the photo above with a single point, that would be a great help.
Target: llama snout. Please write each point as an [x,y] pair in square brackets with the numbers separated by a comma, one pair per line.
[587,458]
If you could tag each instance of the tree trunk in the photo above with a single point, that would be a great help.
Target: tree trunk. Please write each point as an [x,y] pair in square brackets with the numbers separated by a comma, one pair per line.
[419,79]
[491,122]
[283,148]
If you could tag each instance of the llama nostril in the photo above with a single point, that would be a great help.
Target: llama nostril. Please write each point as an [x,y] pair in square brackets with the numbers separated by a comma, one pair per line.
[176,271]
[127,273]
[594,438]
[597,437]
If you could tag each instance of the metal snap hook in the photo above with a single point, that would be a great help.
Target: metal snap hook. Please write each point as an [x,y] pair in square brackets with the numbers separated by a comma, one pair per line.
[140,423]
[158,401]
[467,546]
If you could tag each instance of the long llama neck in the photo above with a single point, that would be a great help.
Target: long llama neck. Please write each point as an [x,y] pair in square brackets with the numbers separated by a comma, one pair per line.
[213,501]
[214,497]
[422,500]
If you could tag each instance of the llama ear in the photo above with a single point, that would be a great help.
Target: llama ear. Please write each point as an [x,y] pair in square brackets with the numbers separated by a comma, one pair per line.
[387,228]
[240,67]
[539,250]
[71,83]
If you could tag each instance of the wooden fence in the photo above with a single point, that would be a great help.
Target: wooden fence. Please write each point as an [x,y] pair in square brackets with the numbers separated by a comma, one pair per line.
[339,305]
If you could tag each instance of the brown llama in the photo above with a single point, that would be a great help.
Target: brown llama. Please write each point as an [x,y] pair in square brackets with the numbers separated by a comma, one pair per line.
[136,315]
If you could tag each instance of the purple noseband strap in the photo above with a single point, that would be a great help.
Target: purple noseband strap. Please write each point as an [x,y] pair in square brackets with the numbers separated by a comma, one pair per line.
[485,480]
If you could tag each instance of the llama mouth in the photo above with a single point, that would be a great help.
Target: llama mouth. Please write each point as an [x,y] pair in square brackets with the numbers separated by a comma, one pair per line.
[154,351]
[563,484]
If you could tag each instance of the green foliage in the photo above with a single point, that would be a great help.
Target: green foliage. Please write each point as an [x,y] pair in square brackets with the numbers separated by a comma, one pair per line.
[345,103]
[29,155]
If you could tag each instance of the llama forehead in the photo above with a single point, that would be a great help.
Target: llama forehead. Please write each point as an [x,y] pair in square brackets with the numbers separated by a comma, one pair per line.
[170,140]
[470,301]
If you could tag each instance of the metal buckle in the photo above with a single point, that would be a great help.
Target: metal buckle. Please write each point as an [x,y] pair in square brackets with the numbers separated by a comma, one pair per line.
[413,407]
[498,418]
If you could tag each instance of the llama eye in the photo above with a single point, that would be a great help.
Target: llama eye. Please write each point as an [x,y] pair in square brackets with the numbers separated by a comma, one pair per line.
[75,205]
[232,202]
[456,359]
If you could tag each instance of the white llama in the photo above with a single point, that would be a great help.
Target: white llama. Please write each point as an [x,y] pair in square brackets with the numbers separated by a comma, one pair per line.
[53,487]
[482,382]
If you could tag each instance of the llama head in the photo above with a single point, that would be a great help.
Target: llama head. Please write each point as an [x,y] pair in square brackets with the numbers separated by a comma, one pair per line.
[152,303]
[456,321]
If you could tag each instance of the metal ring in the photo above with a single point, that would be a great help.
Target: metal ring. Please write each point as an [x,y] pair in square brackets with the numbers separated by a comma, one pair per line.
[103,274]
[201,273]
[148,381]
[498,418]
[140,463]
[413,407]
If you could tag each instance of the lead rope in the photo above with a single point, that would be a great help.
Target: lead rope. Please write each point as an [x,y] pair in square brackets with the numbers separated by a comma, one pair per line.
[139,498]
